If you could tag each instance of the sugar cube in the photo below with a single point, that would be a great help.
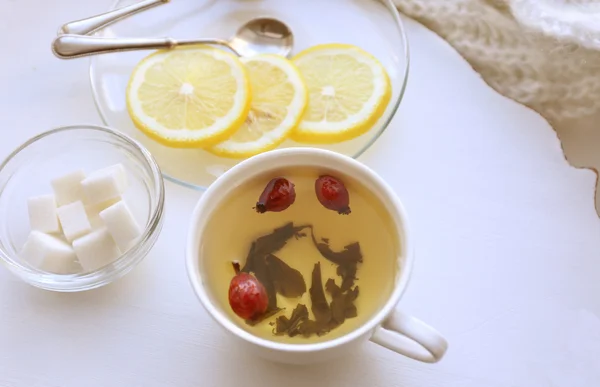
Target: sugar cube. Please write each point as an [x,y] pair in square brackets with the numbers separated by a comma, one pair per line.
[42,213]
[67,188]
[105,184]
[49,253]
[121,225]
[96,249]
[93,212]
[74,220]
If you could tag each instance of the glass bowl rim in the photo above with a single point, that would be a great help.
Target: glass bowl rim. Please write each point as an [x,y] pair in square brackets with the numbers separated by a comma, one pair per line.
[392,9]
[125,262]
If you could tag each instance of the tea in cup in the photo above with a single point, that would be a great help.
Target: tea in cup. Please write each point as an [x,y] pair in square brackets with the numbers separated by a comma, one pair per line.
[303,253]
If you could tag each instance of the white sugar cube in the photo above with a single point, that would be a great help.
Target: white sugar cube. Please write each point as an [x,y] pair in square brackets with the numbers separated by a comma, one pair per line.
[49,253]
[74,220]
[42,213]
[96,249]
[67,188]
[93,212]
[105,184]
[121,225]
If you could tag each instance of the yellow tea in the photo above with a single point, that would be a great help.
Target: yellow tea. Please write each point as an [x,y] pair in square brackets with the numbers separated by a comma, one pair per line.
[324,272]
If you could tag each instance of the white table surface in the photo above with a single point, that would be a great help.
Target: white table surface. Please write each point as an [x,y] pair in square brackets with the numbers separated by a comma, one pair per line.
[508,247]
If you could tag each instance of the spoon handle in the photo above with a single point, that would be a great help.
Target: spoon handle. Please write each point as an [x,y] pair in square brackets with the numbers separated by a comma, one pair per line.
[75,46]
[94,23]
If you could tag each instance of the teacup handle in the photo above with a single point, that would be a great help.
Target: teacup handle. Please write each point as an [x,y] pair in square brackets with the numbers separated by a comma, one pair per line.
[410,337]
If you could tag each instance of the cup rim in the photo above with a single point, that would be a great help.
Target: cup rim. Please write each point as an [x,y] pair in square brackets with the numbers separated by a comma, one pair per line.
[127,261]
[247,168]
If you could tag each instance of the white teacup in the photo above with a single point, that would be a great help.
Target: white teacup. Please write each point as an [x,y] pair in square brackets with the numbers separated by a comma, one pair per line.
[388,327]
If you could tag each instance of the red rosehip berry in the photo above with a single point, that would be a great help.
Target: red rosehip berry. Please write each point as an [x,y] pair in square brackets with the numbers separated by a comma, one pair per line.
[332,194]
[278,195]
[247,296]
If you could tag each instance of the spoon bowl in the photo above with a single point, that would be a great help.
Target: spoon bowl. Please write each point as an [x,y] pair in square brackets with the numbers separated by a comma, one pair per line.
[263,36]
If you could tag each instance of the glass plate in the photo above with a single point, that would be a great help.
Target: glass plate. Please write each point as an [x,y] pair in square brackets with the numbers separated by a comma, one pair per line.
[373,25]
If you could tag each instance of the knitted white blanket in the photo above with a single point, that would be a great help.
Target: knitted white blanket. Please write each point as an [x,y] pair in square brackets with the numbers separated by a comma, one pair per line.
[544,54]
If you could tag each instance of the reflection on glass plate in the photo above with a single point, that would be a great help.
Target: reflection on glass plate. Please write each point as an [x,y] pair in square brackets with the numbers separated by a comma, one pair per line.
[373,25]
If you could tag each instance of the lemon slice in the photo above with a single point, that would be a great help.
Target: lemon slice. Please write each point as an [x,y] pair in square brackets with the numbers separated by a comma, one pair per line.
[348,91]
[279,99]
[190,97]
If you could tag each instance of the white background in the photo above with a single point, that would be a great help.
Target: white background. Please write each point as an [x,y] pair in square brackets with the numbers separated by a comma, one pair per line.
[508,247]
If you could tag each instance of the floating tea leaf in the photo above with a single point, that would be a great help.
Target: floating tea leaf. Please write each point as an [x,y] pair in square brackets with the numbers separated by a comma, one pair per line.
[332,287]
[299,324]
[288,282]
[291,325]
[350,254]
[261,272]
[342,304]
[310,327]
[350,309]
[271,243]
[348,274]
[347,260]
[319,307]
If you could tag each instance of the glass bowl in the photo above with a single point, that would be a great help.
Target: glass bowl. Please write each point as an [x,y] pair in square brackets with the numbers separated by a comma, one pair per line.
[27,172]
[373,25]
